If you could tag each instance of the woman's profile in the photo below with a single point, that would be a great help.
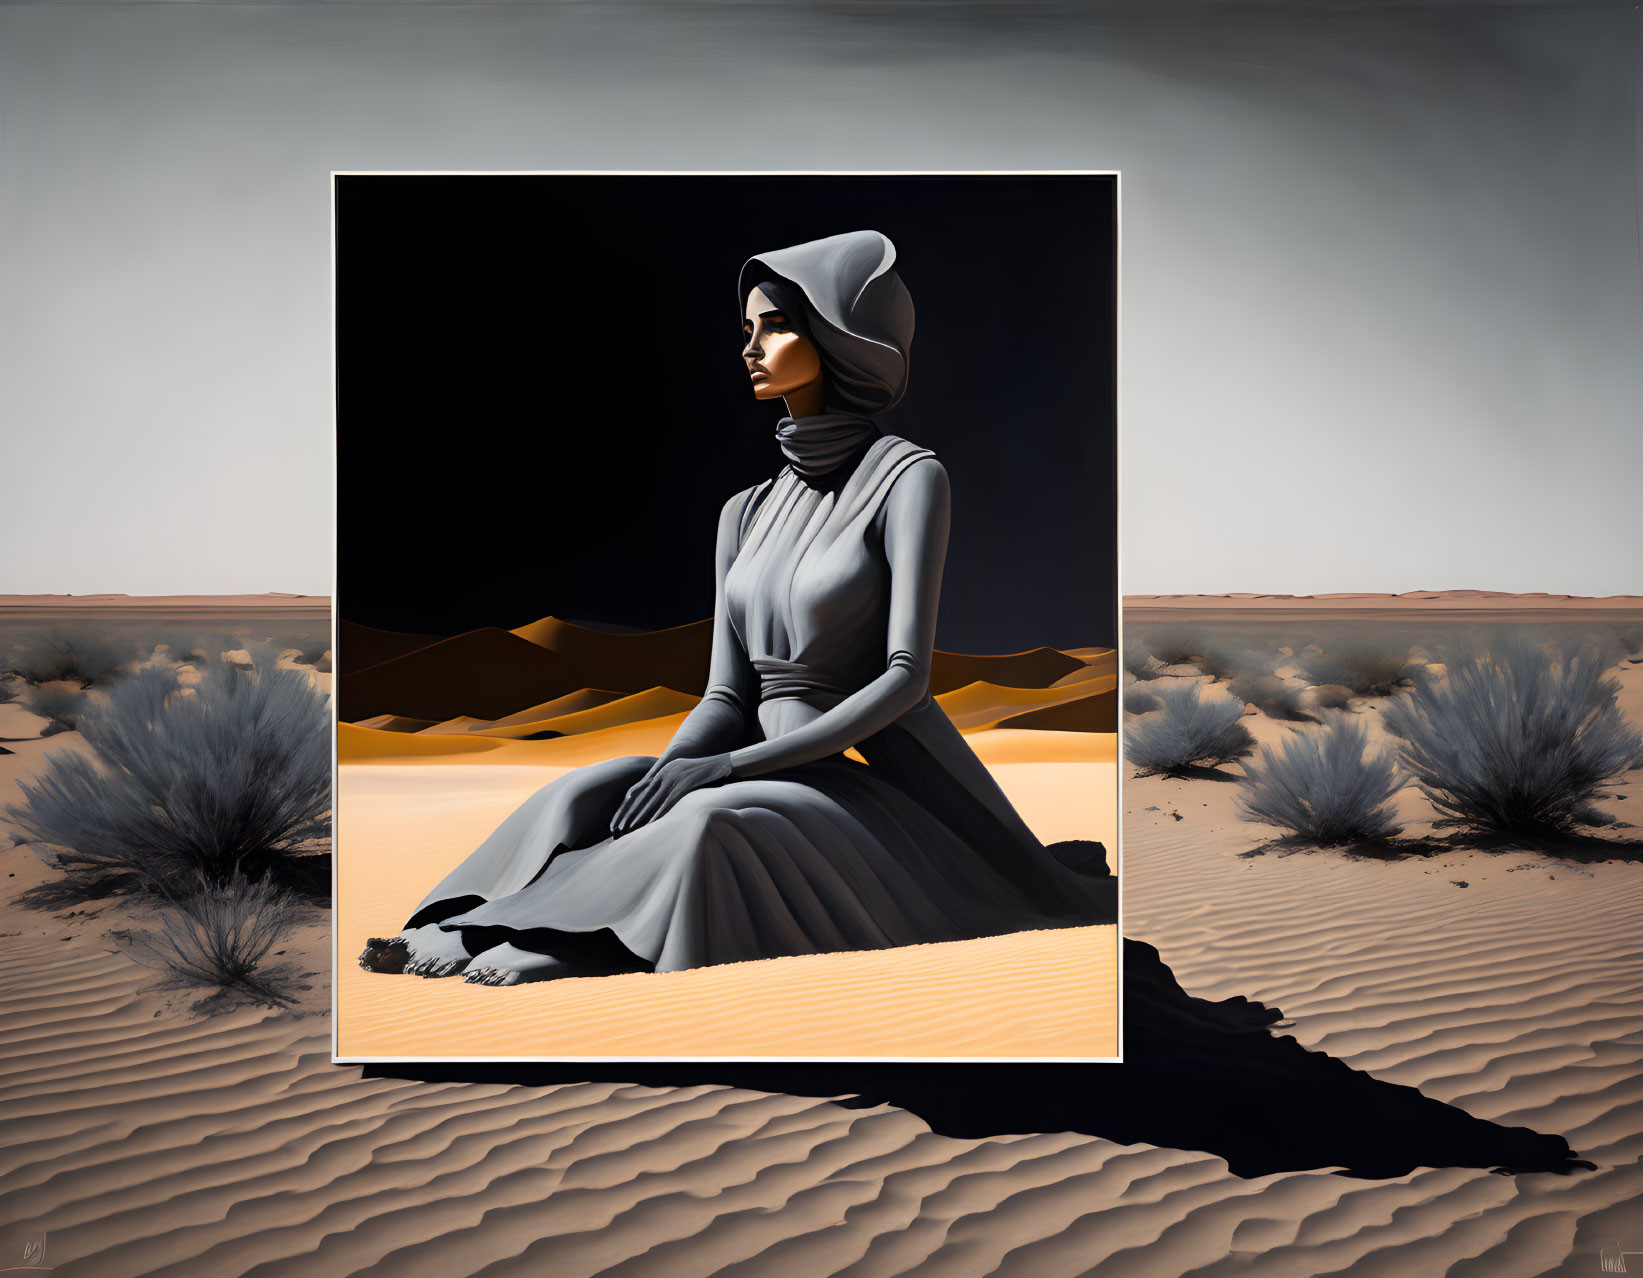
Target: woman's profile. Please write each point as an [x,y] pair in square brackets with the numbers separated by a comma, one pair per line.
[753,835]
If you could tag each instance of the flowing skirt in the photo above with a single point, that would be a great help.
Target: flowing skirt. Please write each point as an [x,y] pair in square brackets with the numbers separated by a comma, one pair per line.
[821,857]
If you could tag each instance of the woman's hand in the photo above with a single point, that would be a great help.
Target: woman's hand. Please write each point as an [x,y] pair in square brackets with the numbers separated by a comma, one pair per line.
[663,786]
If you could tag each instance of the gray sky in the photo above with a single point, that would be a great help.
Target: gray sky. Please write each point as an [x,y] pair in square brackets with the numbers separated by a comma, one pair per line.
[1383,304]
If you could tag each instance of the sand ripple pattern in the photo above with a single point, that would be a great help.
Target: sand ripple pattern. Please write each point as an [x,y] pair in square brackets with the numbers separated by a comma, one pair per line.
[145,1143]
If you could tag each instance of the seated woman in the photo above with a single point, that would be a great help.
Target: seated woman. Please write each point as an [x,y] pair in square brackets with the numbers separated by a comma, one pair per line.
[753,835]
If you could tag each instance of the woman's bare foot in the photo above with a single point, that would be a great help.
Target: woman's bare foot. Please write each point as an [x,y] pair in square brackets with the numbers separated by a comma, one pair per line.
[418,951]
[509,965]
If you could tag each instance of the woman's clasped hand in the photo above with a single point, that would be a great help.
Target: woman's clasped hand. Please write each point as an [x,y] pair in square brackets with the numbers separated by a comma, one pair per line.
[663,786]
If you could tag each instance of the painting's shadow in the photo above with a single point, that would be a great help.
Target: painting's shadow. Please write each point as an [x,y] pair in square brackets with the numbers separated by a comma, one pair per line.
[1196,1075]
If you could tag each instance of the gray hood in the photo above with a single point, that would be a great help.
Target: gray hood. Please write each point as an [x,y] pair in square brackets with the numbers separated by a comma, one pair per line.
[862,314]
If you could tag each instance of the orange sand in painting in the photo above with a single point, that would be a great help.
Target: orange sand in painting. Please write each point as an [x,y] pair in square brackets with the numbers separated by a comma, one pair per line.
[1028,994]
[1046,993]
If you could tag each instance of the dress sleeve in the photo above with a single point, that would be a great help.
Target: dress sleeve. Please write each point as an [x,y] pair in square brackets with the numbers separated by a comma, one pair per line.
[917,516]
[719,721]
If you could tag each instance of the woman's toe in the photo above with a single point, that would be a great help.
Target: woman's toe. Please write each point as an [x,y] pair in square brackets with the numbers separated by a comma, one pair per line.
[382,955]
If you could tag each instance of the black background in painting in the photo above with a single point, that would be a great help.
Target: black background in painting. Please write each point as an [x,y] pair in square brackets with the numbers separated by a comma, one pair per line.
[542,405]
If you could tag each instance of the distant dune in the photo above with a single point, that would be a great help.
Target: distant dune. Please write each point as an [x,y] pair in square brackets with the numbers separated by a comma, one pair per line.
[629,662]
[357,744]
[361,647]
[652,703]
[1037,668]
[986,705]
[570,703]
[395,723]
[461,724]
[1097,712]
[276,599]
[522,677]
[485,673]
[1423,601]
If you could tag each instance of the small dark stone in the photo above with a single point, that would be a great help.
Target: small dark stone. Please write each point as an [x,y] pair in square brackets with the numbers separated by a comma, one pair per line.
[1460,882]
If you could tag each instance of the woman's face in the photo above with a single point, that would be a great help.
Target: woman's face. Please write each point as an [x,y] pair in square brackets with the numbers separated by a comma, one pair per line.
[779,360]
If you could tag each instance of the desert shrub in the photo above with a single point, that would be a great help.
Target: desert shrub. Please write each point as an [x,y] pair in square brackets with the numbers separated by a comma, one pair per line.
[81,652]
[1277,697]
[229,775]
[62,703]
[9,689]
[323,665]
[1604,643]
[1174,644]
[219,933]
[1515,739]
[1139,700]
[1191,731]
[181,646]
[1222,658]
[1323,785]
[1232,651]
[310,650]
[1138,659]
[1368,669]
[1330,696]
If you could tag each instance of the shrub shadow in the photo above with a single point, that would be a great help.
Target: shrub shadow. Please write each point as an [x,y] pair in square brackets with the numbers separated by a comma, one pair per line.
[1573,846]
[1192,772]
[1197,1075]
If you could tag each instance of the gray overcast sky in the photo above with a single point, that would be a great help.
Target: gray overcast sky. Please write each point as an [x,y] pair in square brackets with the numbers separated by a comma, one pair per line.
[1383,304]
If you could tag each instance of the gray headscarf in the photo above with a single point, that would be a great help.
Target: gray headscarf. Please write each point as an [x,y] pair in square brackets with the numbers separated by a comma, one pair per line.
[861,317]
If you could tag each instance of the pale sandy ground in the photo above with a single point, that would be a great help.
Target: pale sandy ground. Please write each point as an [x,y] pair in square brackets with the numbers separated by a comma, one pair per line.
[143,1137]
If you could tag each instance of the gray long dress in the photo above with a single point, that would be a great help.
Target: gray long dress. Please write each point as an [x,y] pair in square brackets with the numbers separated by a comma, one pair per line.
[919,844]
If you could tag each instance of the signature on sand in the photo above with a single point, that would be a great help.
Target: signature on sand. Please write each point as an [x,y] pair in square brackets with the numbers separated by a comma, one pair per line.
[1612,1260]
[28,1246]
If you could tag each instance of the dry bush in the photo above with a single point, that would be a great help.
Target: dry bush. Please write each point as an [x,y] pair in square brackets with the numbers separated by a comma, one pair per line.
[78,651]
[1138,659]
[1277,697]
[1370,669]
[229,776]
[1174,643]
[1330,696]
[1323,785]
[1139,700]
[1516,739]
[181,646]
[62,703]
[219,933]
[1190,732]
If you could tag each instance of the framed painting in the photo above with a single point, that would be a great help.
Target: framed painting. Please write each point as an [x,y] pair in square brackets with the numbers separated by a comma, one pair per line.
[727,616]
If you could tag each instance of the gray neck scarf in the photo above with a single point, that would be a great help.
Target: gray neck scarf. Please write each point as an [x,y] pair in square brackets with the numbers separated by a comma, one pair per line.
[818,445]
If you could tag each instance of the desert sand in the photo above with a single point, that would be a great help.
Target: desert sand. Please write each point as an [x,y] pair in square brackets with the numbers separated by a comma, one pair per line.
[144,1136]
